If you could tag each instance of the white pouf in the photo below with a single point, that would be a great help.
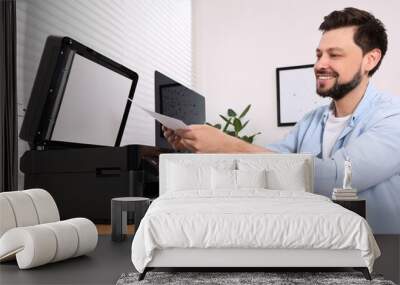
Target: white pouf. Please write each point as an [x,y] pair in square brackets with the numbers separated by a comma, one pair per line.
[31,232]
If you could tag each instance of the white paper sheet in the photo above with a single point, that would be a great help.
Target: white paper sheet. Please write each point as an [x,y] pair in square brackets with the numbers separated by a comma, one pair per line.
[169,122]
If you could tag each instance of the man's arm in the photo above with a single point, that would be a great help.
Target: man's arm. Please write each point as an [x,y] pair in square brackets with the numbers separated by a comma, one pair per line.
[375,157]
[207,139]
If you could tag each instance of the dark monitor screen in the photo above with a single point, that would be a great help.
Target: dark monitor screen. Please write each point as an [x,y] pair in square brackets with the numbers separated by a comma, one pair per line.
[177,101]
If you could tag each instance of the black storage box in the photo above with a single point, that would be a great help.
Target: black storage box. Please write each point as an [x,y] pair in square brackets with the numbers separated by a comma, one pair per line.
[82,181]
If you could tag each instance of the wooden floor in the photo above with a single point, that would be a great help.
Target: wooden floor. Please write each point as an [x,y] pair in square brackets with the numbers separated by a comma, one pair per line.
[106,229]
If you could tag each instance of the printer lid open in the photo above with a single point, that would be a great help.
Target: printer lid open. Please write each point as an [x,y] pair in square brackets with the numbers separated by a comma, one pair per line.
[79,98]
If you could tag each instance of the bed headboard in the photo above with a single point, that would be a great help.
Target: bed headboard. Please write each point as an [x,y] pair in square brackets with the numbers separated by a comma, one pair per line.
[239,161]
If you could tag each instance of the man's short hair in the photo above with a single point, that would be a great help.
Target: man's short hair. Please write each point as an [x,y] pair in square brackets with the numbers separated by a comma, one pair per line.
[370,33]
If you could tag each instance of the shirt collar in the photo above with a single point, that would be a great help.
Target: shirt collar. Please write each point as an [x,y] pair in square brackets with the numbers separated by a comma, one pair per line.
[365,102]
[325,114]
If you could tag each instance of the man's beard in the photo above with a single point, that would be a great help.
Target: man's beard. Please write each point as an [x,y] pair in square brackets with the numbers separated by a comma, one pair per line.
[338,91]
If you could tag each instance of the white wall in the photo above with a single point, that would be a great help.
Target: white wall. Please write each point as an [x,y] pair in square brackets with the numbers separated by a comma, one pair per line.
[239,43]
[144,35]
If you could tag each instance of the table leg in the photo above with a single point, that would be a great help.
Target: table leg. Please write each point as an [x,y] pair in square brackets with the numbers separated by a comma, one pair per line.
[124,222]
[116,222]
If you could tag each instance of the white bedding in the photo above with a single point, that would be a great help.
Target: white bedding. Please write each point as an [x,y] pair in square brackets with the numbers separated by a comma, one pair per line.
[251,218]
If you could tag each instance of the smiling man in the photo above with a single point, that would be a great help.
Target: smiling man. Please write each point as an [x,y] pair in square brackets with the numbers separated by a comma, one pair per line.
[361,123]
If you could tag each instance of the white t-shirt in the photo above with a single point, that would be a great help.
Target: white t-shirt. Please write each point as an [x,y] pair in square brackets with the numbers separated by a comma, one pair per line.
[333,128]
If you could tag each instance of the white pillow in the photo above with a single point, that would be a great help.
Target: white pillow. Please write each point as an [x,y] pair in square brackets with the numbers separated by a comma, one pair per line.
[293,180]
[183,177]
[223,179]
[282,174]
[189,175]
[226,179]
[251,178]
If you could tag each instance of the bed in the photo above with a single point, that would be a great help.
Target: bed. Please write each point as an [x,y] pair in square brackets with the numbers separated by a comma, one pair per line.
[244,211]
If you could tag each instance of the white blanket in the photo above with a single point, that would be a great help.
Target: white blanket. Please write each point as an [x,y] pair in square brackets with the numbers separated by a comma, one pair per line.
[250,219]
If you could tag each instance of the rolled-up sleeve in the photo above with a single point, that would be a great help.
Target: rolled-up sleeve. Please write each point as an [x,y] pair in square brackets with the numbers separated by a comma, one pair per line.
[288,144]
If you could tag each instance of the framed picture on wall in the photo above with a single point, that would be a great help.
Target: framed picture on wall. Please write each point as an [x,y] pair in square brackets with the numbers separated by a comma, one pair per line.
[296,93]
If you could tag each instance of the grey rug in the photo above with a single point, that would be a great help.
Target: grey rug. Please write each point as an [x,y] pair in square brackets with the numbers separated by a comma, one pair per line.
[229,278]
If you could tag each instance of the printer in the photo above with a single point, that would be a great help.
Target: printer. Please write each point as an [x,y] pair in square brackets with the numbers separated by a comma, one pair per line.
[74,123]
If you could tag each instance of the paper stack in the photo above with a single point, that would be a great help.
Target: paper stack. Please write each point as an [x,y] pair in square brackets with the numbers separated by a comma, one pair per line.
[344,194]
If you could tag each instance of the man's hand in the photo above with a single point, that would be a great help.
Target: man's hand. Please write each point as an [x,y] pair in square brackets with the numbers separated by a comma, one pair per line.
[174,140]
[204,139]
[198,138]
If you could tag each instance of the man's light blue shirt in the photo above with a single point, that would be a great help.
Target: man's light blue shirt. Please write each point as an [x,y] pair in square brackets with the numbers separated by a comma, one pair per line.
[372,142]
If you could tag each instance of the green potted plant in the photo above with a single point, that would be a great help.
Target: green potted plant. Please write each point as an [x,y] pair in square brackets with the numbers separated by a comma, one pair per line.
[234,125]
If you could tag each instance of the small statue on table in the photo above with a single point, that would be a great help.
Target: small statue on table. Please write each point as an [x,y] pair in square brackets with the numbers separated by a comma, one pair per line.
[347,192]
[347,174]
